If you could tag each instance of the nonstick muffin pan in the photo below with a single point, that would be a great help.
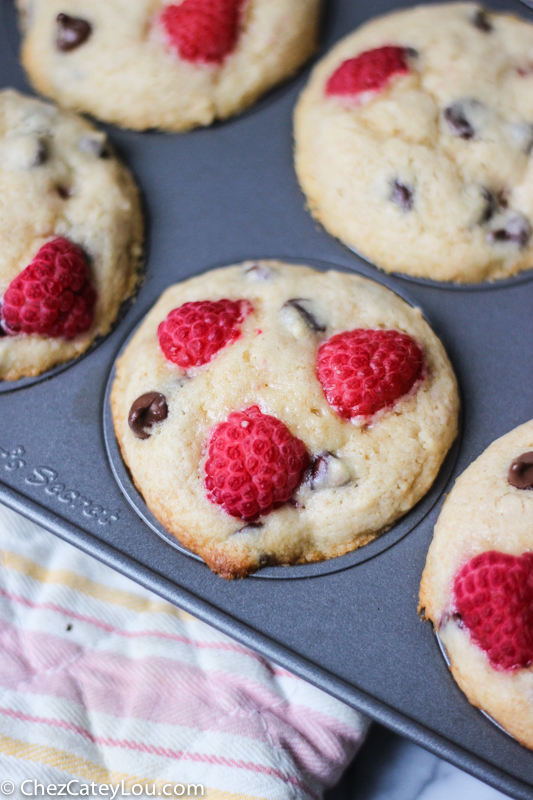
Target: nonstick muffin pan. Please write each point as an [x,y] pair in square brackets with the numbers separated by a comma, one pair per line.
[219,196]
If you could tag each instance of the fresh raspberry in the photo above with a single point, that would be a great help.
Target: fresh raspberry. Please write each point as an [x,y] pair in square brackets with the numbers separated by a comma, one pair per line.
[494,598]
[193,334]
[254,464]
[369,72]
[363,371]
[203,30]
[53,296]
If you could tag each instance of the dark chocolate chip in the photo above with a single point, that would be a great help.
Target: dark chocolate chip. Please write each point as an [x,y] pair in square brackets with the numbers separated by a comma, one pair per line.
[491,206]
[298,303]
[481,21]
[63,192]
[513,228]
[71,32]
[520,473]
[250,527]
[265,560]
[42,152]
[410,52]
[146,411]
[328,471]
[318,470]
[402,195]
[456,116]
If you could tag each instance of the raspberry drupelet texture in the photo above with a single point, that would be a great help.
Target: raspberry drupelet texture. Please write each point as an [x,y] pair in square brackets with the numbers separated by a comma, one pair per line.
[254,464]
[494,598]
[53,296]
[203,30]
[364,371]
[192,334]
[368,72]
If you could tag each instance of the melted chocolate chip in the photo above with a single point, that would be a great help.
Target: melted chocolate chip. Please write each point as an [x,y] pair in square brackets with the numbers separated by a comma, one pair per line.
[328,471]
[146,411]
[520,473]
[402,195]
[298,303]
[71,32]
[511,228]
[456,116]
[481,21]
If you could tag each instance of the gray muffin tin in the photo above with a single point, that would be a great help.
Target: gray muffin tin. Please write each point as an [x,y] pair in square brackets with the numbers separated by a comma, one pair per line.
[218,196]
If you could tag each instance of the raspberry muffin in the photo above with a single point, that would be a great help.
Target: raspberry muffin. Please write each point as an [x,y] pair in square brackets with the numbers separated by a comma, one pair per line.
[477,587]
[161,64]
[274,414]
[414,139]
[71,232]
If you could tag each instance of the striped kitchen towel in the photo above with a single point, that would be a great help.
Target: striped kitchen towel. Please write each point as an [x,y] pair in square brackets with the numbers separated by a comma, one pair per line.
[102,683]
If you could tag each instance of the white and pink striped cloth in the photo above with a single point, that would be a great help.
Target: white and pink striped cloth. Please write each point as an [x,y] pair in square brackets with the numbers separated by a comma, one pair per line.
[103,682]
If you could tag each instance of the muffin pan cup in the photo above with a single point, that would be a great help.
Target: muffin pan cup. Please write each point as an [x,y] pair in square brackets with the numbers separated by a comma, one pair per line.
[219,196]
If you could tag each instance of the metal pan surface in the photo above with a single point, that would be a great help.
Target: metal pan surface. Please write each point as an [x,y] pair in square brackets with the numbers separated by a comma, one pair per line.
[219,196]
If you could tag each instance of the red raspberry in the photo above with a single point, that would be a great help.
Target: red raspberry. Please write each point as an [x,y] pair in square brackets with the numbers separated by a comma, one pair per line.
[254,464]
[363,371]
[193,334]
[494,597]
[369,72]
[203,30]
[53,296]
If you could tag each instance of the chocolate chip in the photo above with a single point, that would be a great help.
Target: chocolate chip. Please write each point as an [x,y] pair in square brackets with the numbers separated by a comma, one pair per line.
[328,471]
[410,52]
[481,21]
[457,115]
[402,195]
[299,305]
[250,527]
[259,272]
[71,32]
[95,146]
[265,559]
[510,228]
[146,411]
[491,206]
[64,192]
[42,152]
[520,473]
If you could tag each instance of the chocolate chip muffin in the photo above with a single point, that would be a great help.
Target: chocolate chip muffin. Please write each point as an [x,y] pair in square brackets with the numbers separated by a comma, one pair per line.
[274,414]
[160,64]
[71,234]
[414,139]
[477,587]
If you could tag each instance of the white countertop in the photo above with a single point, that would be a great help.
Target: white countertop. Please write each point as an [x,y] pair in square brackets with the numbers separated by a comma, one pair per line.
[391,768]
